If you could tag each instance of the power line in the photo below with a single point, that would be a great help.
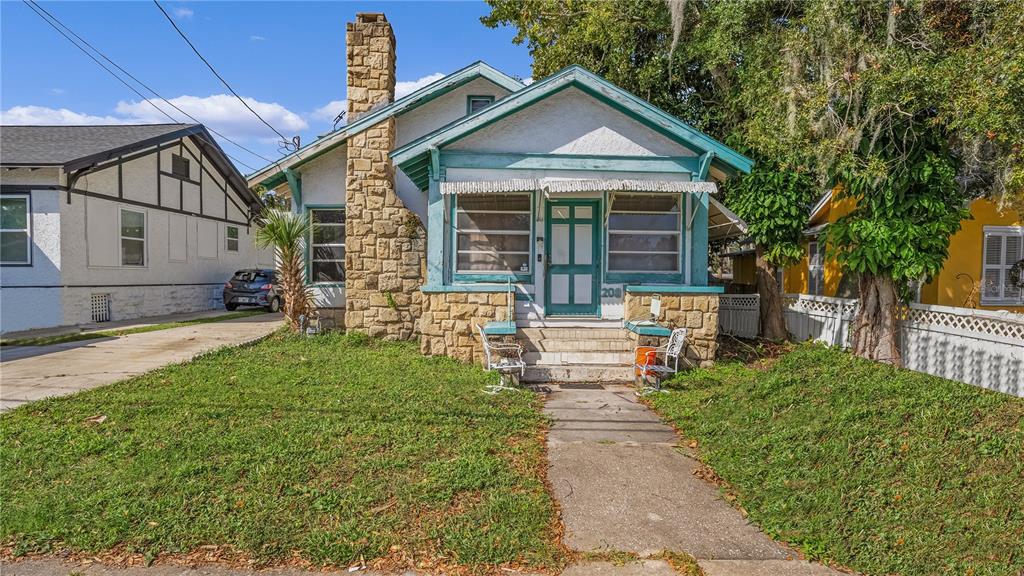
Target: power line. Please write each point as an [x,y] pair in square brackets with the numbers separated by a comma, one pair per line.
[32,4]
[284,138]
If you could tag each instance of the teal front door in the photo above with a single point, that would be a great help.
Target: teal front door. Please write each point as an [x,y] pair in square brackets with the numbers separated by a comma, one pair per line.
[573,271]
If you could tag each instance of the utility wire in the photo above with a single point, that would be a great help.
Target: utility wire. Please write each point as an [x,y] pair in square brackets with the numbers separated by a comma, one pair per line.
[37,7]
[287,141]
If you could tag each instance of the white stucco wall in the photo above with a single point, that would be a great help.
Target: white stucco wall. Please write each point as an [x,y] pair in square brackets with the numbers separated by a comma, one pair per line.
[23,303]
[443,110]
[323,178]
[571,122]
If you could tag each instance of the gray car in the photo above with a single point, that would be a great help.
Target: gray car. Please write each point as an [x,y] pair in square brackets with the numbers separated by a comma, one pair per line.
[253,287]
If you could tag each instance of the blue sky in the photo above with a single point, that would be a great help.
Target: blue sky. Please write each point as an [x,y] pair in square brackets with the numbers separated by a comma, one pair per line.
[288,57]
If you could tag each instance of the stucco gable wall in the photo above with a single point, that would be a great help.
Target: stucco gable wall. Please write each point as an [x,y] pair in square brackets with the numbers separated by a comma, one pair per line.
[443,110]
[570,122]
[323,179]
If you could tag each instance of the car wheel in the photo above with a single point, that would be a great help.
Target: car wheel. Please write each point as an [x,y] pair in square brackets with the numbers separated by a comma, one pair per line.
[231,307]
[274,305]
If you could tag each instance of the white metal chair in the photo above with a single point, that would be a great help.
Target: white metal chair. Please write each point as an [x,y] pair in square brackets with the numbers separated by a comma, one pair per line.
[504,358]
[672,351]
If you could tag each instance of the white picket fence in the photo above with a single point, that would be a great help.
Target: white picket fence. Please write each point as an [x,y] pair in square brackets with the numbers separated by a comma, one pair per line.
[739,315]
[980,347]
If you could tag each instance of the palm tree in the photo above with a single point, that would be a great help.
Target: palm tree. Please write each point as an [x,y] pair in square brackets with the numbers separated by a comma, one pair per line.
[287,233]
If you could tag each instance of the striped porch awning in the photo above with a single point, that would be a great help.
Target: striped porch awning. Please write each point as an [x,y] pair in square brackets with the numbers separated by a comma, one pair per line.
[563,186]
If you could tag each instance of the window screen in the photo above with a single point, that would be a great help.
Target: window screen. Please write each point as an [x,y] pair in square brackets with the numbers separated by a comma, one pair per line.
[327,245]
[644,232]
[493,233]
[815,267]
[15,238]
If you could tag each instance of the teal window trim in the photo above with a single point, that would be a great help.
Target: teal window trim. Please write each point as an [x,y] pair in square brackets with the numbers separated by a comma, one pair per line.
[484,97]
[613,277]
[491,277]
[307,244]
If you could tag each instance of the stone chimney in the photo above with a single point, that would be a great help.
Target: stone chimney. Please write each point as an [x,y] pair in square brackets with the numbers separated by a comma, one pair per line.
[385,250]
[370,52]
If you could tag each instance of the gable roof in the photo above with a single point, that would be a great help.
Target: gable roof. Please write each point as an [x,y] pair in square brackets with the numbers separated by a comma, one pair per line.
[415,156]
[78,147]
[60,145]
[407,103]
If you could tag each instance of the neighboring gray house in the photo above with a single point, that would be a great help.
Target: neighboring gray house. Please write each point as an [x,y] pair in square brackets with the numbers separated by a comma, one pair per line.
[117,222]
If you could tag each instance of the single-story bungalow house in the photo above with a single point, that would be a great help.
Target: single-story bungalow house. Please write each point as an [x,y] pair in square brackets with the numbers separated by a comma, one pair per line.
[117,222]
[975,274]
[552,211]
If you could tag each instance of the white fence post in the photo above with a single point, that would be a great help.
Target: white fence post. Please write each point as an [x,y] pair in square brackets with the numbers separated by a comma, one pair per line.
[979,347]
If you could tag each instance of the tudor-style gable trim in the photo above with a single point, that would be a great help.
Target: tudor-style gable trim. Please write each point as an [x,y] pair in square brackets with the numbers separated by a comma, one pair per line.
[411,156]
[272,175]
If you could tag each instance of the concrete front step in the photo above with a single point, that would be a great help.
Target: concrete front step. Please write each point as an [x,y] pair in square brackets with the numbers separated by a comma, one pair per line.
[589,373]
[573,334]
[545,358]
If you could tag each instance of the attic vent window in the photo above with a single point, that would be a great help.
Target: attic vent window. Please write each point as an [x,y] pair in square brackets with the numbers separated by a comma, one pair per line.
[179,166]
[477,103]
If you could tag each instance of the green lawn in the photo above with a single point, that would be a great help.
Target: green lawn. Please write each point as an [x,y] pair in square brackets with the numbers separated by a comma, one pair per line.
[330,447]
[77,336]
[885,471]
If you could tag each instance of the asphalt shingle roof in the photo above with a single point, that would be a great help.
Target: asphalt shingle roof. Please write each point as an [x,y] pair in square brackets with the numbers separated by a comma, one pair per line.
[45,145]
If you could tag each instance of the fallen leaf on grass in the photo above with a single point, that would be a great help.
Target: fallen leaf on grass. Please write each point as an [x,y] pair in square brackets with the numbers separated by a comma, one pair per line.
[97,419]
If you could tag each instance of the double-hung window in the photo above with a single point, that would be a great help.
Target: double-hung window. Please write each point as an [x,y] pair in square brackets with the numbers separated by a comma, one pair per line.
[1003,249]
[15,231]
[327,245]
[232,238]
[492,233]
[644,233]
[815,267]
[133,238]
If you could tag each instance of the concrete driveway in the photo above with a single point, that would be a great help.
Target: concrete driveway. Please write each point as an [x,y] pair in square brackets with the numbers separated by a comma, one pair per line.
[29,373]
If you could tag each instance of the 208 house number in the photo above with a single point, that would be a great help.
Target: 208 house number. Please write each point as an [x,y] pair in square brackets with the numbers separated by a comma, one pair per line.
[611,292]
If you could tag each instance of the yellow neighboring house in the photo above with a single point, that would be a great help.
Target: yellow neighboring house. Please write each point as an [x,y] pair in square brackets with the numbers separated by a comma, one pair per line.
[976,273]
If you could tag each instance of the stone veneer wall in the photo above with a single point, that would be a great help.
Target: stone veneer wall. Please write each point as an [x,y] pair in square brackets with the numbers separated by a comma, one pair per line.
[447,322]
[696,312]
[385,246]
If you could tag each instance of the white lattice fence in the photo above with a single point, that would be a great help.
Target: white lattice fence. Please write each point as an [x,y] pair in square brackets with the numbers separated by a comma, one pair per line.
[979,347]
[739,315]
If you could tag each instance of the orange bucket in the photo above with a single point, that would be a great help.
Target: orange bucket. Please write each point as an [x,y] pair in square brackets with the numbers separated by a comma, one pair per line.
[645,355]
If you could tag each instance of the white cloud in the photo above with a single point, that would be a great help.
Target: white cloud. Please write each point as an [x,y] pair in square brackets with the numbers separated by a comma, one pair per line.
[183,13]
[328,112]
[57,91]
[41,115]
[222,112]
[405,88]
[527,81]
[256,38]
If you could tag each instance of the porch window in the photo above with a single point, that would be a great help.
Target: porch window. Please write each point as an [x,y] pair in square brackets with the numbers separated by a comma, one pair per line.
[1003,249]
[644,233]
[815,267]
[492,234]
[327,245]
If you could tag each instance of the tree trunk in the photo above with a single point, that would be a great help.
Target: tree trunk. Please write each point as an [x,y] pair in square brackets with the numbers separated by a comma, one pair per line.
[875,334]
[773,323]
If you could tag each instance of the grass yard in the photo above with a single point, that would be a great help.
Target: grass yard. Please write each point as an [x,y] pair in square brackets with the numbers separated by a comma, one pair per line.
[329,449]
[882,470]
[78,336]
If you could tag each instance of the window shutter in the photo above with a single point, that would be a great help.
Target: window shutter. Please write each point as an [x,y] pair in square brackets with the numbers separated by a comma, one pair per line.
[992,266]
[1012,256]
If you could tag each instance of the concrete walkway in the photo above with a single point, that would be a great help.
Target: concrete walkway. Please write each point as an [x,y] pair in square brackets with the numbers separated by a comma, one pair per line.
[29,373]
[624,486]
